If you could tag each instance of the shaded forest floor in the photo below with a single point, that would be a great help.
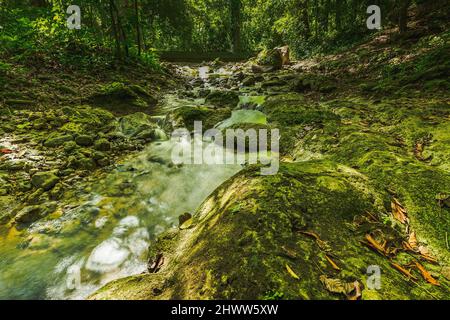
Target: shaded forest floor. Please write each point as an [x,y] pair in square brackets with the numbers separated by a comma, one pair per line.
[364,176]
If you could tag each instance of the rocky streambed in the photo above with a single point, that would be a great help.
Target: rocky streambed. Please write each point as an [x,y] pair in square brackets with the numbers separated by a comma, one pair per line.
[90,195]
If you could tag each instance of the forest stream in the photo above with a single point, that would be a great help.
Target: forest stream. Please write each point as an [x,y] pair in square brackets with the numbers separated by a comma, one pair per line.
[121,214]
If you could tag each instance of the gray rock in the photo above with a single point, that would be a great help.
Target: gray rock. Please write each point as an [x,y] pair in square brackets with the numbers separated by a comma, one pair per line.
[30,214]
[44,180]
[57,140]
[102,145]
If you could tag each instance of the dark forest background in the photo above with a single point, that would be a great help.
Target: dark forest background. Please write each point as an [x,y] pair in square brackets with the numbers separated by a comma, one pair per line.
[34,29]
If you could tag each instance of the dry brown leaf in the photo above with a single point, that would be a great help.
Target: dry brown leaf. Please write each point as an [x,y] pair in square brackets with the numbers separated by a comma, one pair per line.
[418,150]
[425,254]
[292,273]
[412,241]
[346,288]
[403,271]
[289,252]
[374,244]
[399,212]
[333,264]
[310,234]
[358,291]
[426,275]
[323,245]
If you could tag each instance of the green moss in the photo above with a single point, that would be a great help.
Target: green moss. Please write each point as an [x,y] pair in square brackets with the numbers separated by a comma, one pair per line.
[289,110]
[184,117]
[120,98]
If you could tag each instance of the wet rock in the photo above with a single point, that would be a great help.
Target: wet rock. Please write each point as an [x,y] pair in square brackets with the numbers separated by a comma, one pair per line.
[102,145]
[30,214]
[146,135]
[121,98]
[70,146]
[184,117]
[222,98]
[133,124]
[44,180]
[84,140]
[14,166]
[57,140]
[79,161]
[252,80]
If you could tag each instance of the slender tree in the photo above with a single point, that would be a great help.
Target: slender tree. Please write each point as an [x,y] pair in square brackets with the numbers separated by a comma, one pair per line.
[235,15]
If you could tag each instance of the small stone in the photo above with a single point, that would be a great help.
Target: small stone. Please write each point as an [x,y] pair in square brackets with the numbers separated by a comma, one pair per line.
[29,214]
[184,217]
[57,141]
[44,180]
[84,140]
[102,145]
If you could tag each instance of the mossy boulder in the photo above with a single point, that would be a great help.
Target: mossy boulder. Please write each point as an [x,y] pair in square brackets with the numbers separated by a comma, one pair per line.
[30,214]
[121,98]
[184,117]
[44,180]
[102,145]
[84,140]
[133,124]
[292,109]
[313,82]
[57,139]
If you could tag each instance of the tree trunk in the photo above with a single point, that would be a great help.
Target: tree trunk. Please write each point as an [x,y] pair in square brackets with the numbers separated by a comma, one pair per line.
[121,32]
[138,27]
[338,15]
[115,29]
[235,15]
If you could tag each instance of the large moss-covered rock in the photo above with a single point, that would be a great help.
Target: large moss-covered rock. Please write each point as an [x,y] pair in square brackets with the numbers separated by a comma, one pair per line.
[57,140]
[122,99]
[30,214]
[44,180]
[223,98]
[184,117]
[133,124]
